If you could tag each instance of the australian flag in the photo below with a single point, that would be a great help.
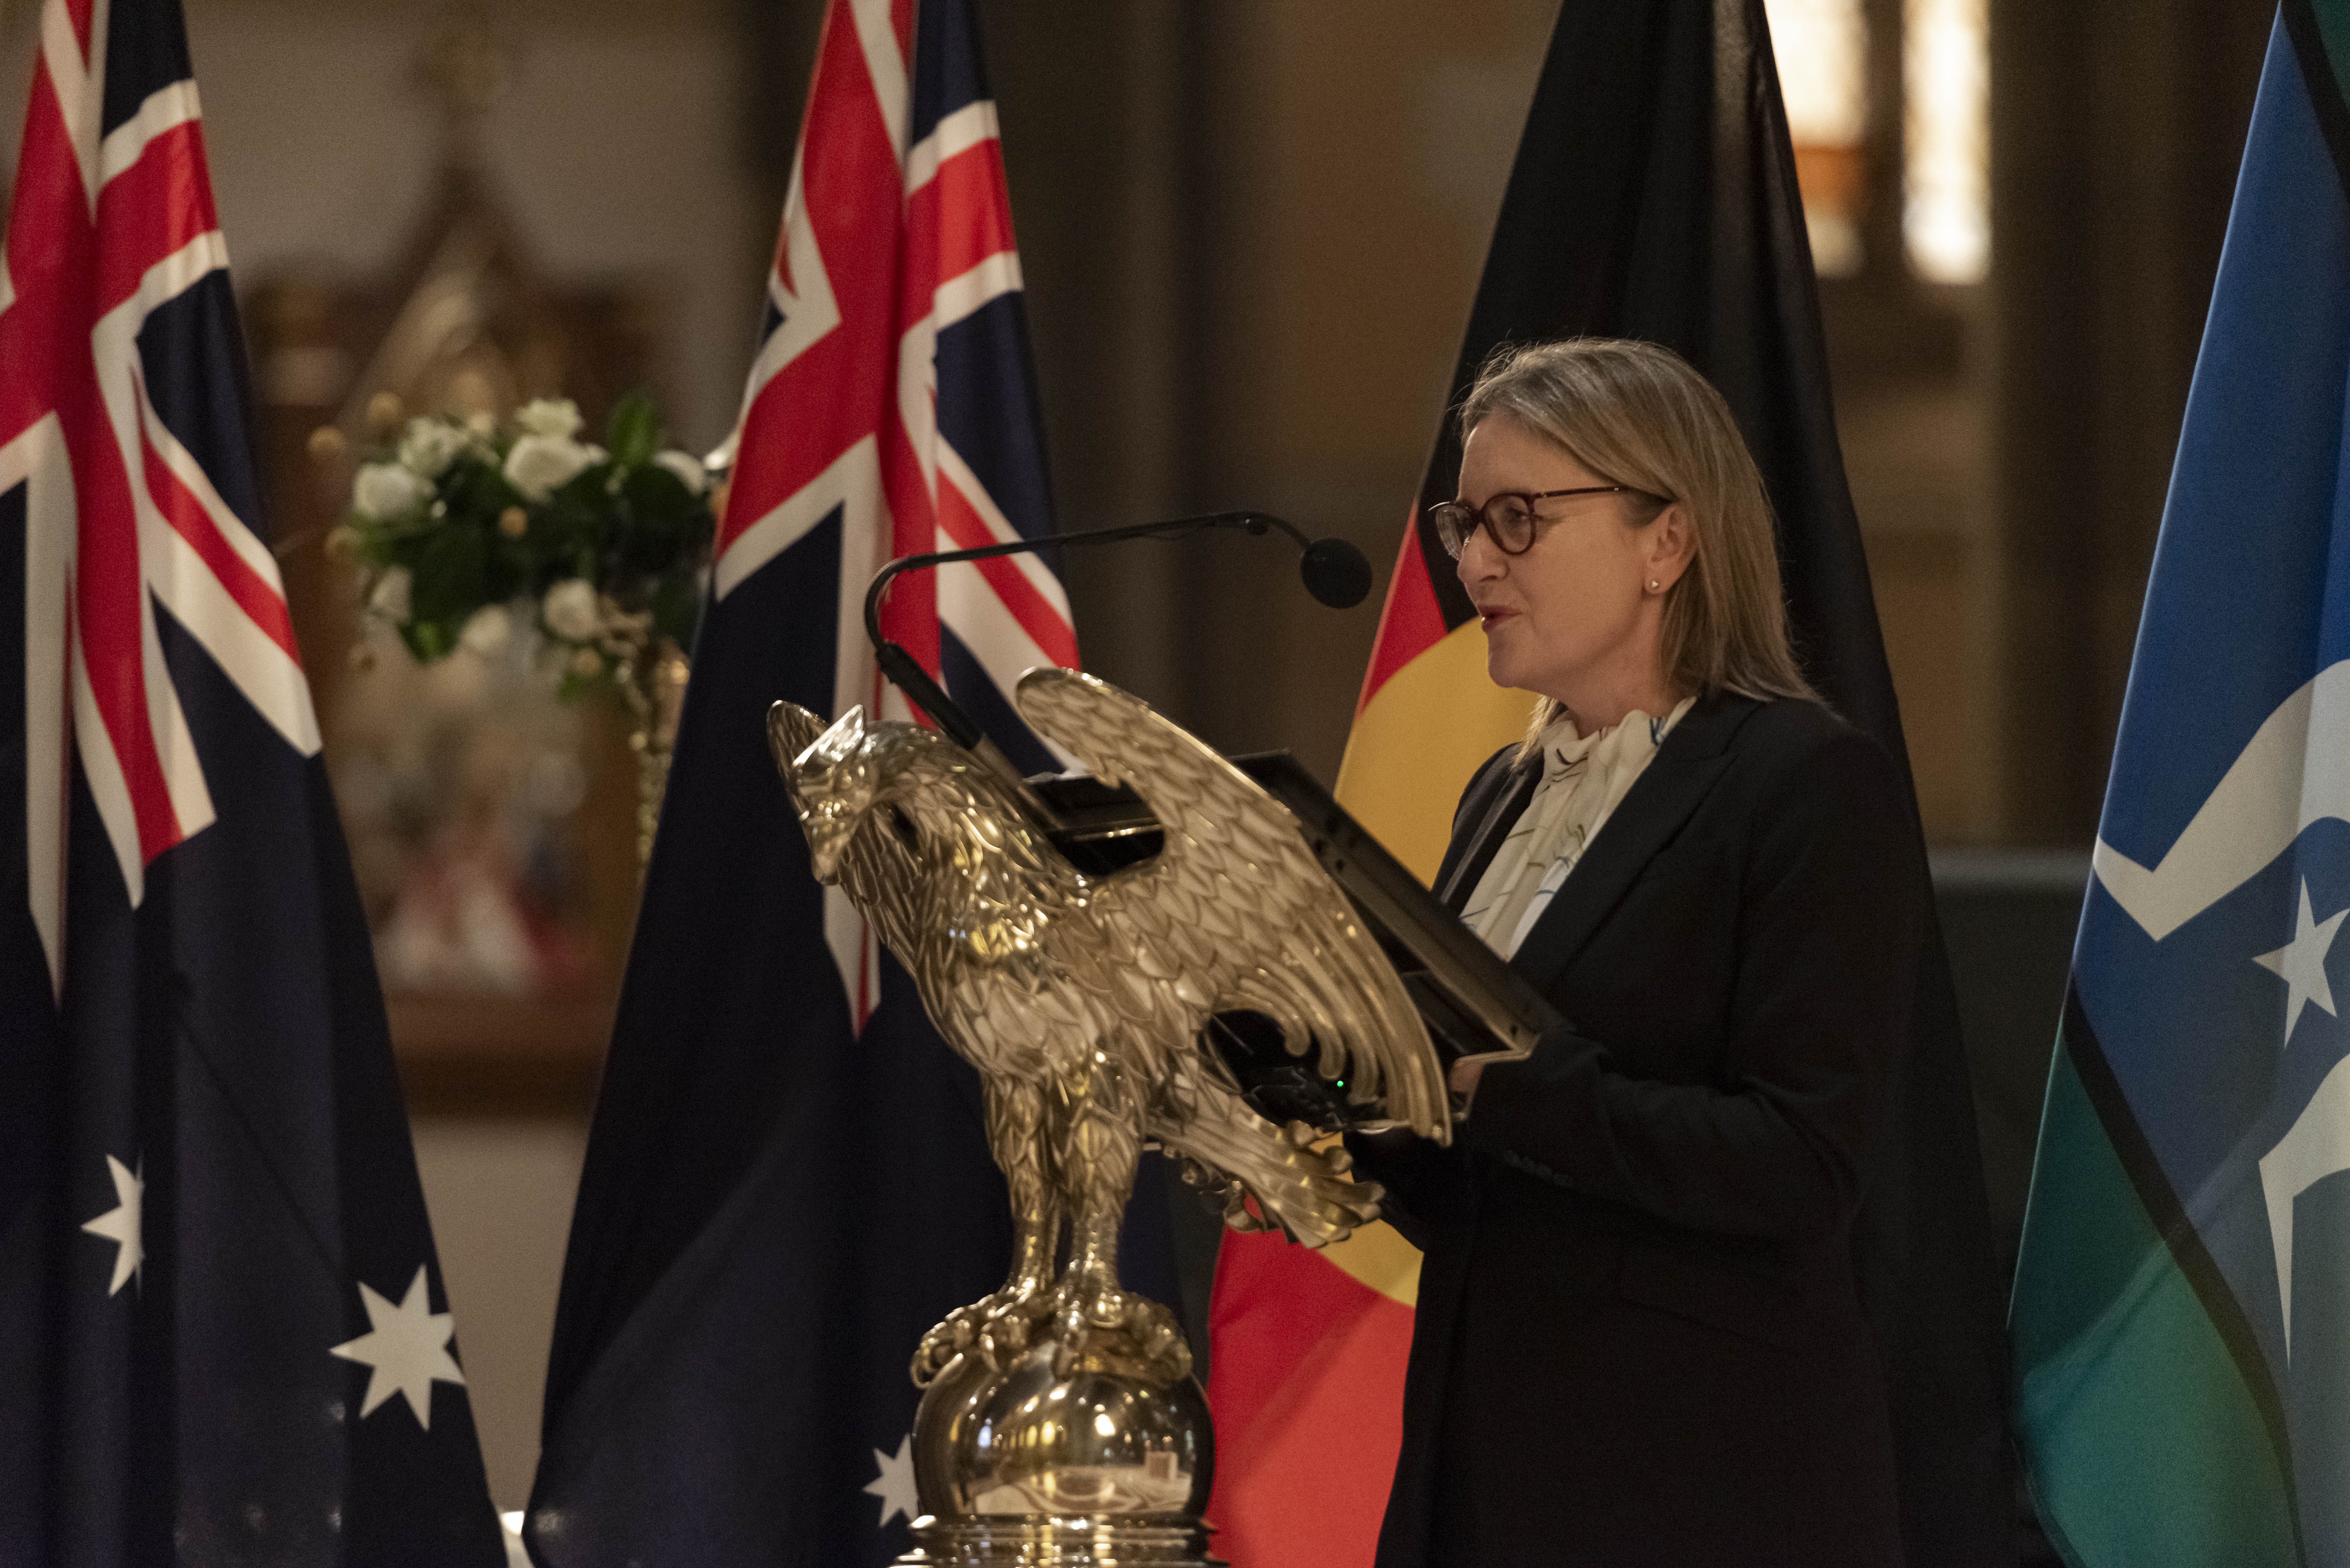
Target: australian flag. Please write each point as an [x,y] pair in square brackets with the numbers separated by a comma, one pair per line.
[222,1335]
[2181,1318]
[788,1181]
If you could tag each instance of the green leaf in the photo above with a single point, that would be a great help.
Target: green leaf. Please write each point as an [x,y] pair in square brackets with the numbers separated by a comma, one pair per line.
[427,640]
[369,547]
[474,493]
[450,579]
[574,685]
[657,493]
[584,491]
[677,604]
[634,432]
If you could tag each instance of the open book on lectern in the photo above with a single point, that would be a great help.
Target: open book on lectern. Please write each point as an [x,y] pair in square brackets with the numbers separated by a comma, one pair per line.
[1474,1004]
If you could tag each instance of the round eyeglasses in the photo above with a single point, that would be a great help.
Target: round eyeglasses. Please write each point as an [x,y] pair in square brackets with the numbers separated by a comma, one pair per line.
[1508,518]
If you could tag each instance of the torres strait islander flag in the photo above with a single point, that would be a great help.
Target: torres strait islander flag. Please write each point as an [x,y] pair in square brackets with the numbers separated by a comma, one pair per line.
[787,1182]
[1653,196]
[2181,1318]
[219,1340]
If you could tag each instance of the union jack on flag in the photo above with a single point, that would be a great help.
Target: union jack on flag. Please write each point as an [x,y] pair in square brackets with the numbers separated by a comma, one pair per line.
[208,1204]
[787,1183]
[893,386]
[112,228]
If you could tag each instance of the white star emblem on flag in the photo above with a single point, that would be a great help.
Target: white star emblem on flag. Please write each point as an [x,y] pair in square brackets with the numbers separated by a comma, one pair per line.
[406,1351]
[895,1483]
[120,1225]
[2301,964]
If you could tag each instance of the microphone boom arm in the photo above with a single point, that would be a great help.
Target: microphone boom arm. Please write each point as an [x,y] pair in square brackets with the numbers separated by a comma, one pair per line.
[908,675]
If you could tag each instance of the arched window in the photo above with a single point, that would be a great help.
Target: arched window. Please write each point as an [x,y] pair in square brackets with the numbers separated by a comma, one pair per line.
[1936,133]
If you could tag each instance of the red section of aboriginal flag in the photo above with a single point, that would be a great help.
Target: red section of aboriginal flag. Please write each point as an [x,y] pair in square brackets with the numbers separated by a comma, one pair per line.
[1307,1390]
[1411,623]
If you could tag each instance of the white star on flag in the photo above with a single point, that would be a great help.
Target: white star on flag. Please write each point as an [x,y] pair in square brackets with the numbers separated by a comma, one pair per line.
[2302,963]
[895,1485]
[120,1223]
[406,1353]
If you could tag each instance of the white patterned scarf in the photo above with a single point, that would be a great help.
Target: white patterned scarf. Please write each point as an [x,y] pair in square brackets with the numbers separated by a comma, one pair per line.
[1583,777]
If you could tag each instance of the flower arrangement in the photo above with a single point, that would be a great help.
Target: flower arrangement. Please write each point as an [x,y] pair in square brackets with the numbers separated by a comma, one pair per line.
[464,525]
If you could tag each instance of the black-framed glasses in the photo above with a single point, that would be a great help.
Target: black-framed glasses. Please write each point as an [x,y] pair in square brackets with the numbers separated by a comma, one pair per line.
[1508,518]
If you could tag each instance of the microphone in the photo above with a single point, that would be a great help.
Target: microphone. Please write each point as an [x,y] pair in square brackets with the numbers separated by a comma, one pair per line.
[1335,572]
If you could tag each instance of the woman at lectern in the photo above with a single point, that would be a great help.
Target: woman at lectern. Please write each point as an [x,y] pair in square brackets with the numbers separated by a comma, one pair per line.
[1638,1338]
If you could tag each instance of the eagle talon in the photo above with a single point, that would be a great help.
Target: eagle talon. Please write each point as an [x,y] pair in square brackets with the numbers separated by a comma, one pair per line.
[1084,1313]
[1004,1339]
[996,1328]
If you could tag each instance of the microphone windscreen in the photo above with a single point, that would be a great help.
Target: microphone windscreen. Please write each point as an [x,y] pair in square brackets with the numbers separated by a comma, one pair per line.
[1335,573]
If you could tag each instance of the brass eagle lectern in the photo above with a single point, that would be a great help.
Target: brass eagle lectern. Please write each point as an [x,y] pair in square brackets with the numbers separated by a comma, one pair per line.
[1061,1424]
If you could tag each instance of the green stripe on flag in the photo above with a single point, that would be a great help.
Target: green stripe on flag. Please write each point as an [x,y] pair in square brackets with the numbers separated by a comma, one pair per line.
[2319,31]
[2142,1444]
[2332,18]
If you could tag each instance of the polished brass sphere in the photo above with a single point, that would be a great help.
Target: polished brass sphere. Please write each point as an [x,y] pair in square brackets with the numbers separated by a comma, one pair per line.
[1104,1439]
[1029,1465]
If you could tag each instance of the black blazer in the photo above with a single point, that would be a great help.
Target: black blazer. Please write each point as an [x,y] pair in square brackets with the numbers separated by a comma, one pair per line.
[1638,1339]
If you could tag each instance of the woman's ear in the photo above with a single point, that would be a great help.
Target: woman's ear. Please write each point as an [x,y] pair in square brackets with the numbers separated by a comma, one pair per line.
[1668,547]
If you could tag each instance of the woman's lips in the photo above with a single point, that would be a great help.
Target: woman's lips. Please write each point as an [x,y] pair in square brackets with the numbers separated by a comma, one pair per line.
[1491,616]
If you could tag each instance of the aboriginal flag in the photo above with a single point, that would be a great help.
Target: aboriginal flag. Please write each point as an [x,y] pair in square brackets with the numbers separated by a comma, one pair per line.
[1653,196]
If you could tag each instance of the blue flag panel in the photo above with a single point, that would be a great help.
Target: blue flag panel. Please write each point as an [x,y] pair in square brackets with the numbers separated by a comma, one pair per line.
[2180,1397]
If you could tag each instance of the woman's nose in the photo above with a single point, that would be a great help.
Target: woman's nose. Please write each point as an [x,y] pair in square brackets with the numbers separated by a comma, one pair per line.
[1480,561]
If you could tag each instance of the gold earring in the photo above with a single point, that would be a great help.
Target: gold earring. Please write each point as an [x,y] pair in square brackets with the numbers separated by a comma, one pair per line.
[1654,584]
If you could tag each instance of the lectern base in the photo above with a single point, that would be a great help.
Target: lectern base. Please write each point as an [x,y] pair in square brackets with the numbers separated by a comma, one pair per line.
[1051,1540]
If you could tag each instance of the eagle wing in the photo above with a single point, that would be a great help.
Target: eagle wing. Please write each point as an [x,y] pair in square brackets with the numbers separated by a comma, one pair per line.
[1234,908]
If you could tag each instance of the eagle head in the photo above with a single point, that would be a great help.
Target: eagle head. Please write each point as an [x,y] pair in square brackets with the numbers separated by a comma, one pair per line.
[831,776]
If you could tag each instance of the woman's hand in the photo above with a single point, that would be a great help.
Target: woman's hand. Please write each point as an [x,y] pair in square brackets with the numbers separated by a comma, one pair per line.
[1463,1077]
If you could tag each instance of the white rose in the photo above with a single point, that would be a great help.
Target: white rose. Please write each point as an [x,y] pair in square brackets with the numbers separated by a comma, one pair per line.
[486,630]
[390,599]
[539,464]
[431,446]
[385,490]
[570,610]
[557,416]
[686,466]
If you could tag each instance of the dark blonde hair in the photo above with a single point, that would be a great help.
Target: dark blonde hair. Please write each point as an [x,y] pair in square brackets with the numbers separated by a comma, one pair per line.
[1636,414]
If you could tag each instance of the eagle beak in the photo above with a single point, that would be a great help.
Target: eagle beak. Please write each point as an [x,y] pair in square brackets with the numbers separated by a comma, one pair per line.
[791,730]
[827,841]
[829,831]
